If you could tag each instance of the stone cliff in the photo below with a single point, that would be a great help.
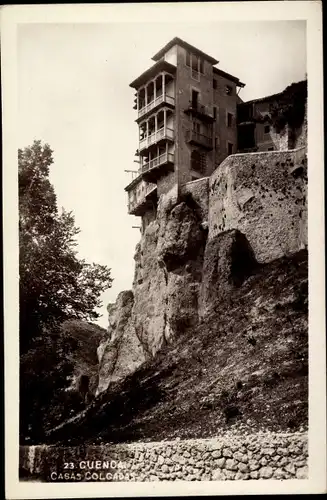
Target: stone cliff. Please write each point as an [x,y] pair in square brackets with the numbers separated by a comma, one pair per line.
[252,210]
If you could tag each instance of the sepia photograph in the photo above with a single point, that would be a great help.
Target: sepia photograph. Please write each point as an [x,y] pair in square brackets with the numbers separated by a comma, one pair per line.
[163,231]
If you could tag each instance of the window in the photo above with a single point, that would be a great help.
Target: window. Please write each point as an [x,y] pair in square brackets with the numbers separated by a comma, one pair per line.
[194,62]
[195,97]
[229,119]
[270,149]
[267,129]
[198,161]
[217,142]
[229,148]
[215,112]
[229,90]
[214,83]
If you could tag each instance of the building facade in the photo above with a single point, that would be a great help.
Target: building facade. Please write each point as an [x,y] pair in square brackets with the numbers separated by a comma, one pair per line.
[190,118]
[255,127]
[186,114]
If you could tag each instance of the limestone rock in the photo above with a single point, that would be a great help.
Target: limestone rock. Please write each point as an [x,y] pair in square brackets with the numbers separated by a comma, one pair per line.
[228,260]
[218,475]
[231,464]
[266,472]
[122,353]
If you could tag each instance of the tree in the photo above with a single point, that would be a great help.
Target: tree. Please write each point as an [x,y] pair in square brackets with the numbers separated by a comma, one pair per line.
[55,285]
[290,107]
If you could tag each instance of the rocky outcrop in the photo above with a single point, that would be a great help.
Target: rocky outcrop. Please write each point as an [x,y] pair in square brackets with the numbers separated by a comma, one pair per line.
[228,261]
[122,352]
[200,248]
[164,301]
[244,364]
[263,195]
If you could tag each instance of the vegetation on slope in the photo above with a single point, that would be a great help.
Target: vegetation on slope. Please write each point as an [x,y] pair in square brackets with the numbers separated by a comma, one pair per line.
[245,365]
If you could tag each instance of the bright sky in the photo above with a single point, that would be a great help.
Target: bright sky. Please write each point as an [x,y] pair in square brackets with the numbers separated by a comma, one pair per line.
[74,94]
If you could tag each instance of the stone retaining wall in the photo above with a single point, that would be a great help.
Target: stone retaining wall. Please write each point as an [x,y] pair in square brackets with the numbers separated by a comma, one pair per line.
[229,457]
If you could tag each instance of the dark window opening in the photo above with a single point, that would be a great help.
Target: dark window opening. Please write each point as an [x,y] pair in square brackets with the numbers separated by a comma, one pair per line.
[270,149]
[229,119]
[198,161]
[246,137]
[195,96]
[196,127]
[215,112]
[214,83]
[195,63]
[229,90]
[230,148]
[267,129]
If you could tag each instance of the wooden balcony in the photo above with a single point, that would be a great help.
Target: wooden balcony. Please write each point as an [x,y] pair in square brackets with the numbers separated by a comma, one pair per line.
[154,104]
[200,111]
[141,197]
[157,166]
[199,139]
[160,135]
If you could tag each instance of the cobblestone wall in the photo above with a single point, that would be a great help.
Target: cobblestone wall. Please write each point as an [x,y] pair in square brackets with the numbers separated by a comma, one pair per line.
[264,455]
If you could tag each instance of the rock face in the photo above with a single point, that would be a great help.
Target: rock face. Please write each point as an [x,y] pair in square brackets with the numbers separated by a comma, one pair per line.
[164,301]
[263,195]
[200,248]
[122,352]
[228,261]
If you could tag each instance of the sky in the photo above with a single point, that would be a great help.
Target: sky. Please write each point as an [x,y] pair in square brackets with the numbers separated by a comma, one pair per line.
[74,94]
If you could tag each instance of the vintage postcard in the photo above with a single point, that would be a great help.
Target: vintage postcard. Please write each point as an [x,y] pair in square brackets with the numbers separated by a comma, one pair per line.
[163,196]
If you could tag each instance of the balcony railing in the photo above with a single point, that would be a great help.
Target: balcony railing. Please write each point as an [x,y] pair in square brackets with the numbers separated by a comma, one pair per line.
[201,139]
[159,160]
[137,198]
[162,133]
[155,102]
[199,110]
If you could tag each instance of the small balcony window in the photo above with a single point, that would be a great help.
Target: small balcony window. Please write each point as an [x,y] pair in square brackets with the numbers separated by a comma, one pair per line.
[194,62]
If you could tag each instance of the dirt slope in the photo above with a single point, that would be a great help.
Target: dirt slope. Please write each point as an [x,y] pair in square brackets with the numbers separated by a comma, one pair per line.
[244,365]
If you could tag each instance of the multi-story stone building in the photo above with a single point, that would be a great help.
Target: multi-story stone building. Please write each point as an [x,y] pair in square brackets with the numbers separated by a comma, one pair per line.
[254,124]
[190,118]
[186,113]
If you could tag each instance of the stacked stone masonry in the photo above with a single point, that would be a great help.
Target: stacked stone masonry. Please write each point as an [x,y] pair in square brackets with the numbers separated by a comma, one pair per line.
[264,455]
